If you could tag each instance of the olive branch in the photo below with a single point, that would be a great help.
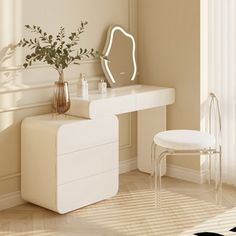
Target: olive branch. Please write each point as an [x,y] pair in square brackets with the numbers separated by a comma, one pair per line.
[57,51]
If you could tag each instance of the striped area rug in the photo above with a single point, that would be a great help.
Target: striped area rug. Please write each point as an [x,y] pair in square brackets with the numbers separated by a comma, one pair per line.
[222,224]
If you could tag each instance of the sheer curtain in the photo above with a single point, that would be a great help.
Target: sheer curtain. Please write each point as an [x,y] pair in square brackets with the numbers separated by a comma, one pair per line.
[218,65]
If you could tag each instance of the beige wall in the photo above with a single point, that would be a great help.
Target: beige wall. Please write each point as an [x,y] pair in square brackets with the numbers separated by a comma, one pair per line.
[20,88]
[169,55]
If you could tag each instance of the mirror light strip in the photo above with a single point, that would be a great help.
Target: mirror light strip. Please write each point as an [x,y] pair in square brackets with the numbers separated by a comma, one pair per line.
[114,28]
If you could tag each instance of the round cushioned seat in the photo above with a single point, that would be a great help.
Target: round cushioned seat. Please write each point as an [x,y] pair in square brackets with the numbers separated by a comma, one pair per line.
[184,139]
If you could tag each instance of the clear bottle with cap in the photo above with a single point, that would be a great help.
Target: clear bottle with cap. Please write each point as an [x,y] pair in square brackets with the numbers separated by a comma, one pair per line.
[83,86]
[102,87]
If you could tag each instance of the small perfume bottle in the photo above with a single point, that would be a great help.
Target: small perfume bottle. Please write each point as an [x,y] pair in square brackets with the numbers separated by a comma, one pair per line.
[83,86]
[102,87]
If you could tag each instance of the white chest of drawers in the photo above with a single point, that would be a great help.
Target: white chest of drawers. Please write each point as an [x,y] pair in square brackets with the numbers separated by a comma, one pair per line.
[68,162]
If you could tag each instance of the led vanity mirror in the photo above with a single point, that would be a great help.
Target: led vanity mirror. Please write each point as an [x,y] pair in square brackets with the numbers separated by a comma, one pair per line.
[118,63]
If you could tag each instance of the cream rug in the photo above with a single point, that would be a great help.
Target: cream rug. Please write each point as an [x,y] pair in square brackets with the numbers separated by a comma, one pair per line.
[222,224]
[131,212]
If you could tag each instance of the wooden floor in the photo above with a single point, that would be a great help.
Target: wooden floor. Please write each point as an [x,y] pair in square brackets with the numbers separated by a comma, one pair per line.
[131,212]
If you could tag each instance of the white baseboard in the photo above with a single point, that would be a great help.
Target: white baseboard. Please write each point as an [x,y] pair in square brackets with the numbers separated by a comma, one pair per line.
[127,165]
[10,200]
[195,176]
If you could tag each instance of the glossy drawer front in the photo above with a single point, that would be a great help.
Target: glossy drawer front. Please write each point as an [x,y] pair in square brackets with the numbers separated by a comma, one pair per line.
[87,162]
[156,98]
[113,105]
[86,191]
[87,133]
[107,105]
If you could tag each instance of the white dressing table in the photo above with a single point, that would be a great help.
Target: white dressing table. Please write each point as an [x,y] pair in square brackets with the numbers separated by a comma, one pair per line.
[68,162]
[149,101]
[72,161]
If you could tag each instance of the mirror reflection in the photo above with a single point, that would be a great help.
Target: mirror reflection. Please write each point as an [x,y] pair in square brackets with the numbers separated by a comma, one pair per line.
[119,65]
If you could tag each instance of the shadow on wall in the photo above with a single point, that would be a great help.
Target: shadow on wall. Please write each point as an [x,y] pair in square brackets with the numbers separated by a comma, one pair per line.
[8,75]
[7,53]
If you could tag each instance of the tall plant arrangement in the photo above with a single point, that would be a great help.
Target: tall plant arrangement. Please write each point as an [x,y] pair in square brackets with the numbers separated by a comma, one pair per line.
[58,51]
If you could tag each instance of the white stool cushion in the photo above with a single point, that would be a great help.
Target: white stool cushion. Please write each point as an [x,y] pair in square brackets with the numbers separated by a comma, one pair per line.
[184,139]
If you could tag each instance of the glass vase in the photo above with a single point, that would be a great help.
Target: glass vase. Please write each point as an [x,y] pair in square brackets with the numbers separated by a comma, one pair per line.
[61,98]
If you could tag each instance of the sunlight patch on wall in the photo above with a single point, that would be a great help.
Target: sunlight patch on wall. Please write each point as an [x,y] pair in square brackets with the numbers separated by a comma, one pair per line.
[6,7]
[11,32]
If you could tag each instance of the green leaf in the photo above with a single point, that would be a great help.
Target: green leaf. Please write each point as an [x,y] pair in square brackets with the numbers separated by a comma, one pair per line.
[55,51]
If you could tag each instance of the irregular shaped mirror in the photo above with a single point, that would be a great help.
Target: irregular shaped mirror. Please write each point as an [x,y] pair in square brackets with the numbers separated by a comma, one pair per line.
[118,63]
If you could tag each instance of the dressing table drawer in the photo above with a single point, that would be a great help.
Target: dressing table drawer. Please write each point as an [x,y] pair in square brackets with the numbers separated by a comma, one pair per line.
[73,137]
[99,159]
[102,104]
[155,98]
[68,162]
[83,192]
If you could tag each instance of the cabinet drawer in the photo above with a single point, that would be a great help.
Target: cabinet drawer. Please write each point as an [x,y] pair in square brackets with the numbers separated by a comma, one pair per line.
[88,133]
[99,105]
[86,191]
[87,162]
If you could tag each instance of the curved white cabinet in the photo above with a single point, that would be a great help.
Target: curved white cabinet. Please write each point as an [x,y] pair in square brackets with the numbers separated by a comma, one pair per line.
[68,162]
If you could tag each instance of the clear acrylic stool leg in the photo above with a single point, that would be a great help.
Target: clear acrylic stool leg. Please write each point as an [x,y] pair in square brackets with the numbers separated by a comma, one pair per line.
[157,178]
[209,168]
[219,179]
[152,175]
